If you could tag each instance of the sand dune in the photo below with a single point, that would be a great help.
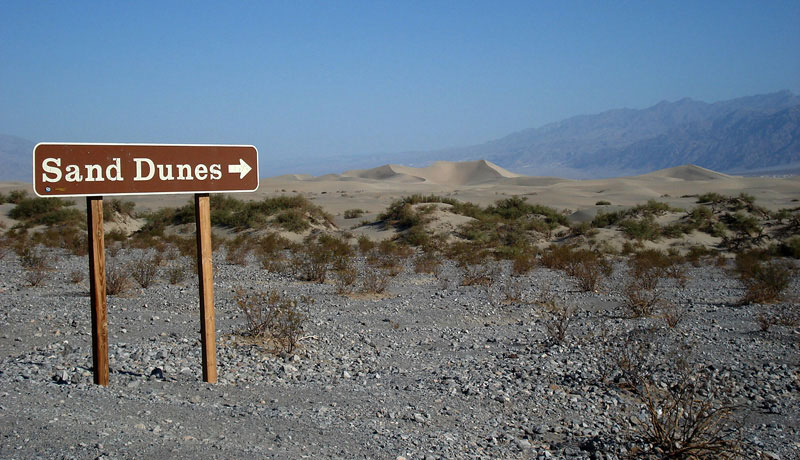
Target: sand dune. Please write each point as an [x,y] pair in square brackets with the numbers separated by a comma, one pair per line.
[442,173]
[686,173]
[483,183]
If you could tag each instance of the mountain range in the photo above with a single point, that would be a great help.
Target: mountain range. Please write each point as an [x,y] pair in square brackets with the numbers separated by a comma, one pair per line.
[738,135]
[753,133]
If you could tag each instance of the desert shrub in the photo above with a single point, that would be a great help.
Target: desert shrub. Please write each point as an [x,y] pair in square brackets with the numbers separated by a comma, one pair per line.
[603,203]
[790,247]
[480,274]
[365,244]
[672,314]
[16,196]
[36,265]
[700,218]
[517,207]
[293,213]
[116,206]
[512,290]
[313,259]
[696,253]
[427,262]
[237,249]
[401,215]
[557,257]
[746,228]
[346,278]
[557,318]
[687,420]
[292,220]
[641,292]
[643,229]
[274,317]
[353,213]
[712,198]
[639,299]
[677,272]
[523,263]
[118,278]
[144,269]
[375,281]
[674,230]
[607,219]
[116,235]
[6,246]
[340,250]
[47,211]
[269,251]
[652,208]
[587,267]
[176,271]
[764,282]
[76,276]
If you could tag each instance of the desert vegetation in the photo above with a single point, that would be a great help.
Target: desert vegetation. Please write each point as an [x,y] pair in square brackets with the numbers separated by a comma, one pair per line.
[519,273]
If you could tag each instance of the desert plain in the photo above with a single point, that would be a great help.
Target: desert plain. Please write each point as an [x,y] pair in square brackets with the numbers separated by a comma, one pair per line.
[523,364]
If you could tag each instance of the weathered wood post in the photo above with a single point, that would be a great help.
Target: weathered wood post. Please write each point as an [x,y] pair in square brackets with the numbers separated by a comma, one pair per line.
[97,288]
[202,213]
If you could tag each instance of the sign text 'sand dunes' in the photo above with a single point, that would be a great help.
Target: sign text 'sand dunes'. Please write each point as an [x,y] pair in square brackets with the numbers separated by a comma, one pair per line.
[128,169]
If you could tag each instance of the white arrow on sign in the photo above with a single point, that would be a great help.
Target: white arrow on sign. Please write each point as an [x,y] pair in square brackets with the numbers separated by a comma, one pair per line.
[242,168]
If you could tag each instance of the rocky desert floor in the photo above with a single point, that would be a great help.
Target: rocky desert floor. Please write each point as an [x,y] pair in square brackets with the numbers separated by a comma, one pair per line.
[430,369]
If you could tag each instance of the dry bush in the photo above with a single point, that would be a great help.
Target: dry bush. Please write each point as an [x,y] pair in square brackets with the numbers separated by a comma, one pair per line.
[678,273]
[640,300]
[428,262]
[672,314]
[176,271]
[365,245]
[587,267]
[512,290]
[273,317]
[763,282]
[523,263]
[237,249]
[557,319]
[346,279]
[118,278]
[481,274]
[641,292]
[5,246]
[557,257]
[781,315]
[375,281]
[36,264]
[144,269]
[76,276]
[269,252]
[391,264]
[687,421]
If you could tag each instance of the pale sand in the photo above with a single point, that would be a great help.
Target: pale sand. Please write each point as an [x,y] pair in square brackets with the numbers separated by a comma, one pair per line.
[484,183]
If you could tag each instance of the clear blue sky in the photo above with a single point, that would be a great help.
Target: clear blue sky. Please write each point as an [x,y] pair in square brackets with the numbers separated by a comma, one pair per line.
[319,79]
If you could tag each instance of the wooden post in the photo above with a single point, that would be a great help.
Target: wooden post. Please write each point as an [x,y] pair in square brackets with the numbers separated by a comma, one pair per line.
[202,214]
[97,288]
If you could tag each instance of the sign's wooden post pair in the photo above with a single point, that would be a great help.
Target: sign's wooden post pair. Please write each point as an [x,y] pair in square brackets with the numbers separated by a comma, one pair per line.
[94,170]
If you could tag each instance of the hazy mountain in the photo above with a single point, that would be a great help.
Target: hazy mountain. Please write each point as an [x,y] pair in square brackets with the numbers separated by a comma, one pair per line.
[754,133]
[741,134]
[16,158]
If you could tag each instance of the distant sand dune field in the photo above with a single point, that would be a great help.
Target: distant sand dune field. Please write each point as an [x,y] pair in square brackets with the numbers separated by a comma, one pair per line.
[484,183]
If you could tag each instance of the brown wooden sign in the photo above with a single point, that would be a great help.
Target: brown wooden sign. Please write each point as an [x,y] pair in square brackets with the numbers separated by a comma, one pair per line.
[133,169]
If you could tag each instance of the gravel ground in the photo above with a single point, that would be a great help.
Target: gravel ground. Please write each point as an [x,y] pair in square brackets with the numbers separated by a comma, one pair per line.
[431,369]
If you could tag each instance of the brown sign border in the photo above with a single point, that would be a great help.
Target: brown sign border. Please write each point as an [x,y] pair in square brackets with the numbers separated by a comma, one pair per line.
[170,192]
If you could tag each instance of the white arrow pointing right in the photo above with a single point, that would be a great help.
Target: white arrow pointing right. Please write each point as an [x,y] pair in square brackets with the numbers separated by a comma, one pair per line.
[242,168]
